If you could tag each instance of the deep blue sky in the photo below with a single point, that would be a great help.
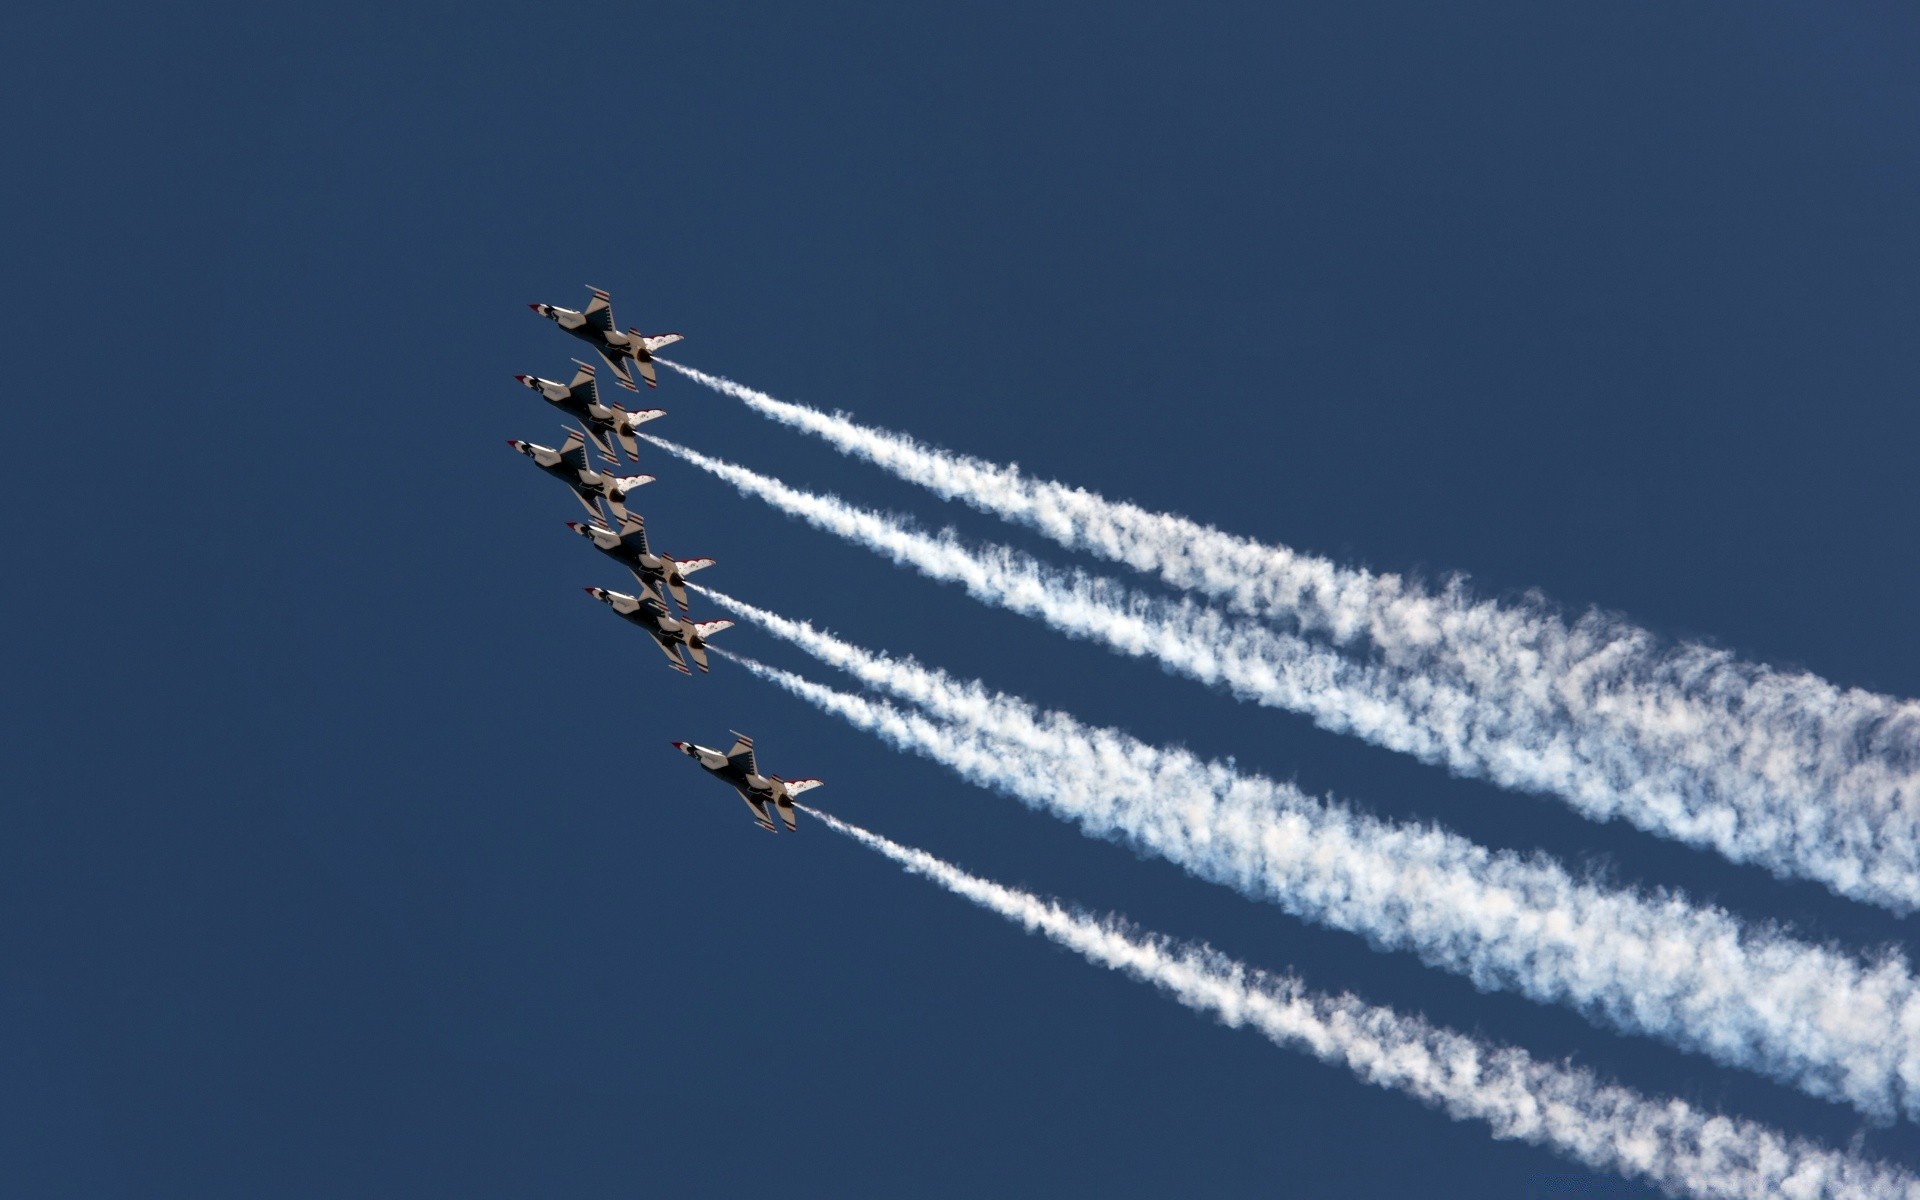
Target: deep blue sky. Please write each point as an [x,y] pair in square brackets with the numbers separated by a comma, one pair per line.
[343,853]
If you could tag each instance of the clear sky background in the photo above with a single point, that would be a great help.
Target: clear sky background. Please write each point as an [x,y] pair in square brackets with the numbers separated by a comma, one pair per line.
[342,850]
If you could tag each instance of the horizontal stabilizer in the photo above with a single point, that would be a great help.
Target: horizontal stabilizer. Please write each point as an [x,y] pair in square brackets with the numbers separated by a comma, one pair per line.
[601,444]
[647,591]
[619,368]
[760,813]
[673,656]
[786,814]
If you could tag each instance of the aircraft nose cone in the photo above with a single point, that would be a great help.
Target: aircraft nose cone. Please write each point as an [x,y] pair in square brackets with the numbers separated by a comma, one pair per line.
[522,379]
[534,307]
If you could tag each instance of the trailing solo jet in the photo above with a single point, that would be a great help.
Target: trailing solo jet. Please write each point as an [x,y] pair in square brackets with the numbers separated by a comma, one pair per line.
[738,770]
[595,328]
[569,465]
[581,401]
[670,631]
[658,574]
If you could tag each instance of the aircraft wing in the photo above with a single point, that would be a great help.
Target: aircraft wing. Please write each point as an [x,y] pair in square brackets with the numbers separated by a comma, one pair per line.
[759,808]
[574,451]
[584,387]
[599,311]
[742,754]
[633,528]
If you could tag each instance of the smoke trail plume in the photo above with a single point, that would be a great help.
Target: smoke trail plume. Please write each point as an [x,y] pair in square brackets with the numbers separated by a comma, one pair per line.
[1605,1126]
[1694,977]
[1776,768]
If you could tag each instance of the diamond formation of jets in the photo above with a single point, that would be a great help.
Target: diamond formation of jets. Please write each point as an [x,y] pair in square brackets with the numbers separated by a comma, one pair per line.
[738,770]
[606,424]
[659,575]
[594,326]
[669,631]
[570,466]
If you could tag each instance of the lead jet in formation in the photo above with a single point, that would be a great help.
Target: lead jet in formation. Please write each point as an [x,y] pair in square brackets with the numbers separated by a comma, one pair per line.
[738,770]
[569,465]
[670,631]
[595,327]
[658,574]
[605,423]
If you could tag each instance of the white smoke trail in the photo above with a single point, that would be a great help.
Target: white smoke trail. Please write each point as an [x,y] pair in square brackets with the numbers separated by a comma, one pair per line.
[1694,977]
[1777,768]
[1566,1109]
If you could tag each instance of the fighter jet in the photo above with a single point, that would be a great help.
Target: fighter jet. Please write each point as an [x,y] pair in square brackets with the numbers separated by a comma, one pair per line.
[569,465]
[658,574]
[581,401]
[595,328]
[738,769]
[670,631]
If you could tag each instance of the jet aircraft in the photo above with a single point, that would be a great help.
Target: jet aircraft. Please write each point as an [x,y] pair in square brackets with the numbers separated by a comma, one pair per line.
[670,631]
[581,401]
[739,771]
[658,574]
[595,327]
[569,465]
